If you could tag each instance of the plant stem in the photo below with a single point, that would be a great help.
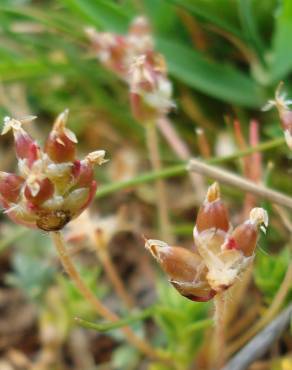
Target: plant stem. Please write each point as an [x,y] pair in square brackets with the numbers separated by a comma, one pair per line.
[181,169]
[100,245]
[114,277]
[102,310]
[182,151]
[240,183]
[218,356]
[160,189]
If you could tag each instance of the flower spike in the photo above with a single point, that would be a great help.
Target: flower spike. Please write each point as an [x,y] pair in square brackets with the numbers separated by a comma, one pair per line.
[220,254]
[54,186]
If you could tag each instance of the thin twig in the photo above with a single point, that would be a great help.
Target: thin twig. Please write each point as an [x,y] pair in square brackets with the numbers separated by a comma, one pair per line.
[239,182]
[181,169]
[256,348]
[161,197]
[102,310]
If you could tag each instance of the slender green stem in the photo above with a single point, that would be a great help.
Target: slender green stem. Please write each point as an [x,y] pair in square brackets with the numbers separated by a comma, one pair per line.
[181,169]
[107,326]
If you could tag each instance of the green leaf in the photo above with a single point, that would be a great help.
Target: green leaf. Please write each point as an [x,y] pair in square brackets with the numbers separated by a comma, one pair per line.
[218,80]
[103,14]
[281,63]
[250,27]
[209,12]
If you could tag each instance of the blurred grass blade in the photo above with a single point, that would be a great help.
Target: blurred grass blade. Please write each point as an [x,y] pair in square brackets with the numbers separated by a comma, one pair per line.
[250,29]
[199,325]
[104,327]
[103,14]
[218,80]
[208,16]
[282,51]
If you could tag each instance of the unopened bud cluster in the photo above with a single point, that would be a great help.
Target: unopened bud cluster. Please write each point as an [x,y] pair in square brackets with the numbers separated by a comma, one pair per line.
[132,57]
[220,254]
[53,186]
[282,105]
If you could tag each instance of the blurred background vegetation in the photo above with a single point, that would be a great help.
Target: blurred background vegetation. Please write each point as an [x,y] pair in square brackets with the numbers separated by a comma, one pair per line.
[225,59]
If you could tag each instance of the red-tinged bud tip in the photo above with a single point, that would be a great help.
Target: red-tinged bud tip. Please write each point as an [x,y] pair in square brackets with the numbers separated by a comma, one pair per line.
[61,143]
[10,186]
[213,213]
[40,191]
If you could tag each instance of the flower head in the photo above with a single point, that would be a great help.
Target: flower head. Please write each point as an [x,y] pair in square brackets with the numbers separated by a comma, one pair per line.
[133,58]
[282,104]
[53,186]
[220,254]
[150,89]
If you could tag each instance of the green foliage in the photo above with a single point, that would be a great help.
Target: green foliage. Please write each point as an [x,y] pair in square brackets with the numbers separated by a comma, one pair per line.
[214,79]
[75,303]
[269,272]
[182,321]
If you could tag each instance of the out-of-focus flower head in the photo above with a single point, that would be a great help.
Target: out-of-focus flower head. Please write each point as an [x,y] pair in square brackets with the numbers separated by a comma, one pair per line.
[53,186]
[220,254]
[116,52]
[150,89]
[133,58]
[282,104]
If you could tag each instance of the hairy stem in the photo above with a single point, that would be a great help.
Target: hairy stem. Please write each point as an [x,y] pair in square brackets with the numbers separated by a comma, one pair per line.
[102,310]
[160,189]
[218,356]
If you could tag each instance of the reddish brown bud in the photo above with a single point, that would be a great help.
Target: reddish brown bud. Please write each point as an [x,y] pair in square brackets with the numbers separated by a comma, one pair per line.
[245,238]
[213,213]
[10,186]
[44,191]
[246,234]
[83,173]
[61,143]
[26,148]
[184,268]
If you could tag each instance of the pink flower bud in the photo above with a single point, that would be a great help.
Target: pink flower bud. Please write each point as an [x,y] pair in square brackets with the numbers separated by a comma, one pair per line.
[10,186]
[44,191]
[212,214]
[25,147]
[245,235]
[150,90]
[110,49]
[61,143]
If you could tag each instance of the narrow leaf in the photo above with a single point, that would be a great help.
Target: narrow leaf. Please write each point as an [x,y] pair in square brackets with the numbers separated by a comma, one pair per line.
[282,52]
[221,81]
